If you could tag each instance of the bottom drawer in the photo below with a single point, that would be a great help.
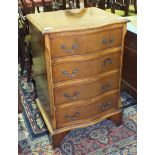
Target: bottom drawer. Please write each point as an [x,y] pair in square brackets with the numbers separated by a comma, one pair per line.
[75,114]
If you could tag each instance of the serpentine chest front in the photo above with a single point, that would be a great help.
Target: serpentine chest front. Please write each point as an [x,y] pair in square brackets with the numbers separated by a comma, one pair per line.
[77,62]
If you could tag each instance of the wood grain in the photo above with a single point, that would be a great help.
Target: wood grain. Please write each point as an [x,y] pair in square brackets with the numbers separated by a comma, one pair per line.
[50,79]
[129,70]
[82,91]
[56,139]
[117,119]
[44,21]
[88,122]
[67,116]
[102,63]
[83,53]
[85,43]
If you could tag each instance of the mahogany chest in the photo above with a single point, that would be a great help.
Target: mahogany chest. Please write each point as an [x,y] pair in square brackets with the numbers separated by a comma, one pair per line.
[129,69]
[77,63]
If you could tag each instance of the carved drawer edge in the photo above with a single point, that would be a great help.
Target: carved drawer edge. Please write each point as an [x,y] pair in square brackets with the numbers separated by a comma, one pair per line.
[87,101]
[87,31]
[70,127]
[95,117]
[87,56]
[85,80]
[87,123]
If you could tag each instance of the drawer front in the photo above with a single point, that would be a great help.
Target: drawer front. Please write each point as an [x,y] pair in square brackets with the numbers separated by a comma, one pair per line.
[81,44]
[88,68]
[87,90]
[74,114]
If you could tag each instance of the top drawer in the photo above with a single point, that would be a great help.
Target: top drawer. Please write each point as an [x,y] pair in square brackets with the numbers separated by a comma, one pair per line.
[86,43]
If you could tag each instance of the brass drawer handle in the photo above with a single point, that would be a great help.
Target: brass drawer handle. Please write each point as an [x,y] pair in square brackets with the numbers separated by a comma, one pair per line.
[73,97]
[106,86]
[73,48]
[106,106]
[109,41]
[70,75]
[73,117]
[107,61]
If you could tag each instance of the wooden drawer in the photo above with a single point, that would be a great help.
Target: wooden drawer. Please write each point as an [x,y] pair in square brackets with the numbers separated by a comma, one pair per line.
[87,43]
[86,66]
[86,89]
[74,114]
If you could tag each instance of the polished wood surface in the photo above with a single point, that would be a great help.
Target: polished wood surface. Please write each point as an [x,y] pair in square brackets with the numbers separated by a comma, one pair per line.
[82,124]
[58,137]
[81,89]
[73,20]
[98,62]
[76,114]
[80,44]
[129,70]
[117,119]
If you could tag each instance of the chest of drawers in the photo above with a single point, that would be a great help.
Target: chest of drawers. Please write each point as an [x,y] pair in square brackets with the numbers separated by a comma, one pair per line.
[77,62]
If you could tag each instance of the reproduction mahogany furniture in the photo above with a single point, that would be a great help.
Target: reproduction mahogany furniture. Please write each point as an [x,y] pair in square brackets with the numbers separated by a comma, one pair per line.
[77,61]
[28,6]
[129,69]
[123,5]
[120,5]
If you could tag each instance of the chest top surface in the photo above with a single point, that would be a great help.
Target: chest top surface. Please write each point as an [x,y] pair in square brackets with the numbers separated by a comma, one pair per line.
[76,19]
